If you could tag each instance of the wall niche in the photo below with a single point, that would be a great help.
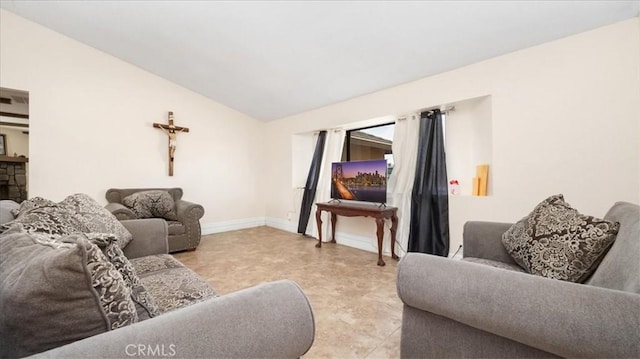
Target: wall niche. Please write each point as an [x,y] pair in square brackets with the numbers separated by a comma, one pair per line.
[468,142]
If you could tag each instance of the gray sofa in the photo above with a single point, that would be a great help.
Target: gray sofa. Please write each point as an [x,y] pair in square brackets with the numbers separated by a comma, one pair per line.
[477,308]
[184,234]
[269,320]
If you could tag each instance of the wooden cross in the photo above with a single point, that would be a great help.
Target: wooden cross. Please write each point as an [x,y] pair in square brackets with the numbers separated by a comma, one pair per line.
[171,131]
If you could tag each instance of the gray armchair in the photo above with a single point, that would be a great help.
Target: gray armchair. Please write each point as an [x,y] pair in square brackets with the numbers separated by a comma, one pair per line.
[476,307]
[184,234]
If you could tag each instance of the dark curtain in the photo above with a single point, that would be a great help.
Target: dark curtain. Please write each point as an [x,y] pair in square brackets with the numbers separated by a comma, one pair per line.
[312,182]
[429,229]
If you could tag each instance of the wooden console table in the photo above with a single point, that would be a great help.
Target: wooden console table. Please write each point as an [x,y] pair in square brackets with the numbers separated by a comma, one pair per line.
[349,209]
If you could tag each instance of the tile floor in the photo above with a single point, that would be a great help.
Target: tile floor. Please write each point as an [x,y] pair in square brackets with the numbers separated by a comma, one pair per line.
[358,313]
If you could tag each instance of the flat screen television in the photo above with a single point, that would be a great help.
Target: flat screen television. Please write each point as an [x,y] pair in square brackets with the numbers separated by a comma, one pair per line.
[359,181]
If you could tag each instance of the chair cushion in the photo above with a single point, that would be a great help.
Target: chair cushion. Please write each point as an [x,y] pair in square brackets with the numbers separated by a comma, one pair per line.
[54,292]
[152,204]
[556,241]
[170,283]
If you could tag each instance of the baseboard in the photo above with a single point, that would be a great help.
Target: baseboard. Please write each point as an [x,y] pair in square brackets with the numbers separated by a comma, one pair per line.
[232,225]
[282,224]
[347,239]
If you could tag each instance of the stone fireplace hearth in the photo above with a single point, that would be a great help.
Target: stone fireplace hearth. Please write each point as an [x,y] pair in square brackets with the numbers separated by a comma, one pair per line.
[13,178]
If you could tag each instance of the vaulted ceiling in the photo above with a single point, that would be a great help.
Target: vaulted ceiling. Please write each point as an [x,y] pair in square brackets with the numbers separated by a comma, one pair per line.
[274,59]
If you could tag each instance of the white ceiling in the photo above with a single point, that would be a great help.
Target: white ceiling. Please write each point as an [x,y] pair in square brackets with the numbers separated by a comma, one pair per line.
[273,59]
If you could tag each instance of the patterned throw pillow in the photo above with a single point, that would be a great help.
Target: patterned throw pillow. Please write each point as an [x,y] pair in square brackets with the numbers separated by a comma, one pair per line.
[96,218]
[35,202]
[47,218]
[152,204]
[556,241]
[108,244]
[57,291]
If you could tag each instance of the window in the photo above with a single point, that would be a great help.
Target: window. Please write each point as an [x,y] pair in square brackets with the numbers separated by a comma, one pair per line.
[370,143]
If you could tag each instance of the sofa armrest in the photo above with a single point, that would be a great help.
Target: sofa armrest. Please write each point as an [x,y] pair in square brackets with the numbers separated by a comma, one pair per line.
[272,320]
[188,212]
[120,211]
[484,240]
[563,318]
[149,237]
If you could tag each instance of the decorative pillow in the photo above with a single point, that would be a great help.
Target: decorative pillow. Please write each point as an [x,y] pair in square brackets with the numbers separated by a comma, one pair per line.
[108,244]
[56,291]
[50,219]
[556,241]
[35,202]
[152,204]
[123,213]
[96,218]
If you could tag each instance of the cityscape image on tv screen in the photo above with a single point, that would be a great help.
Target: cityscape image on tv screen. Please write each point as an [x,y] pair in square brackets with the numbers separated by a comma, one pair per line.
[359,181]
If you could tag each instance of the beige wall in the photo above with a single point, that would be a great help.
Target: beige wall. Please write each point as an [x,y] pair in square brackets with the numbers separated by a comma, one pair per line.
[91,118]
[565,119]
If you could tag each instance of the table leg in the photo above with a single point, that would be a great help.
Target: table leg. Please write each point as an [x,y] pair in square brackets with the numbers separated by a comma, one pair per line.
[394,228]
[334,219]
[319,222]
[380,233]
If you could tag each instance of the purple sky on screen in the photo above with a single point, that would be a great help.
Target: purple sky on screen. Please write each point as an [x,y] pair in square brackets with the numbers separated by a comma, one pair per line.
[351,169]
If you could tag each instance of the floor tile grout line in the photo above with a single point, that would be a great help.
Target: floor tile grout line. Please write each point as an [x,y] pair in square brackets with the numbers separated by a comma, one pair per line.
[381,344]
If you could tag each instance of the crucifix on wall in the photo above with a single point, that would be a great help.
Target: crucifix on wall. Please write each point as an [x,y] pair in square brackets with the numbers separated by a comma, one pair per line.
[171,130]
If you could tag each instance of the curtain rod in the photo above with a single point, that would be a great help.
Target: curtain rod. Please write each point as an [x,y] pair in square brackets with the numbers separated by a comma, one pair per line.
[337,129]
[446,111]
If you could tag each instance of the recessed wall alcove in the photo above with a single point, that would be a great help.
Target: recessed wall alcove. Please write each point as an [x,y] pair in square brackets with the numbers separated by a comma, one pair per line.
[468,142]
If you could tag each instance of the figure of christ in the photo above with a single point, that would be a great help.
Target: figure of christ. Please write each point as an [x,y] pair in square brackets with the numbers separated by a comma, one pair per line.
[171,132]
